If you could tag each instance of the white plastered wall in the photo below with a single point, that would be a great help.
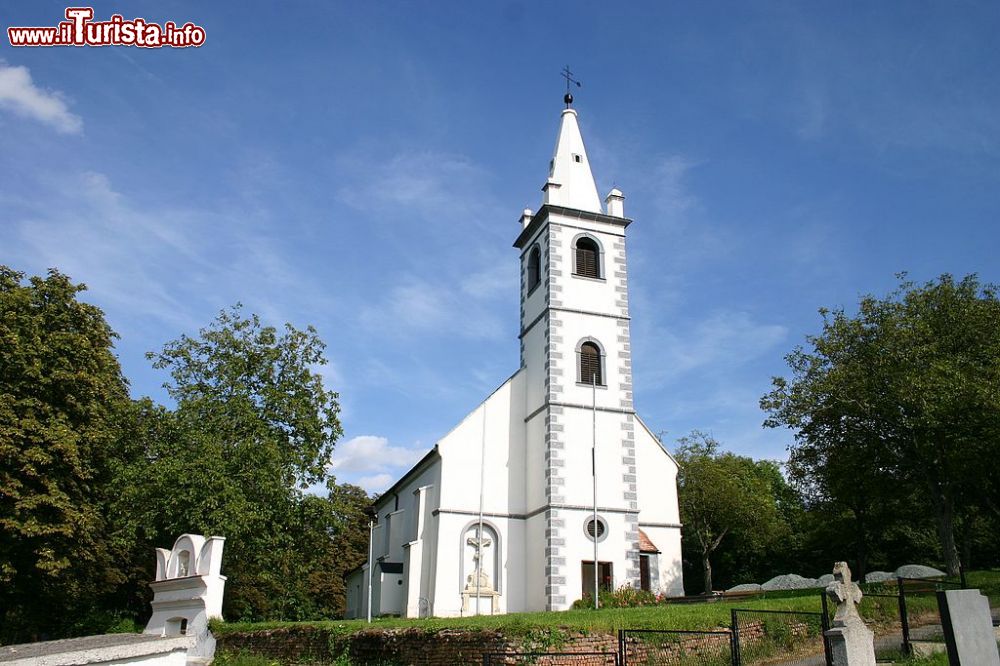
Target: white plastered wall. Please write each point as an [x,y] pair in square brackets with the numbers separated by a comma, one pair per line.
[500,420]
[659,514]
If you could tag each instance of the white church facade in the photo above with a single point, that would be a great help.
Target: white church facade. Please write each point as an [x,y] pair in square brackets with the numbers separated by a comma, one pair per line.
[499,516]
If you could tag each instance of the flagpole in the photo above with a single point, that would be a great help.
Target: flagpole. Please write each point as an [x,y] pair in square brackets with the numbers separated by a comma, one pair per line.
[479,536]
[371,532]
[593,464]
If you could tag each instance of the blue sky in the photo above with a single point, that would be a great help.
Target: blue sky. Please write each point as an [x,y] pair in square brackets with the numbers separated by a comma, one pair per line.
[362,166]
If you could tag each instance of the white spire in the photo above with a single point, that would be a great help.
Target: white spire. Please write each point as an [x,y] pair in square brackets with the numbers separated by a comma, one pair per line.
[571,184]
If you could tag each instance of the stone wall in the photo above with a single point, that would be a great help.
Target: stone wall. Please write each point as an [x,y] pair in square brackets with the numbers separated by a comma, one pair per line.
[316,645]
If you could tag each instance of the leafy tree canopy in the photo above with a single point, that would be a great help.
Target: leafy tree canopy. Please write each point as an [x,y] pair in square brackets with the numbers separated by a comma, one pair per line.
[253,427]
[902,397]
[60,389]
[724,495]
[256,388]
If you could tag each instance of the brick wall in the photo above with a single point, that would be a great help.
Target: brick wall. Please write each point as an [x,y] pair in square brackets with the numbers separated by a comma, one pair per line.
[315,645]
[416,647]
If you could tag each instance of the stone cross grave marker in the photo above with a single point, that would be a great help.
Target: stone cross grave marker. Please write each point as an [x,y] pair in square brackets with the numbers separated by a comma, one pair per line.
[851,641]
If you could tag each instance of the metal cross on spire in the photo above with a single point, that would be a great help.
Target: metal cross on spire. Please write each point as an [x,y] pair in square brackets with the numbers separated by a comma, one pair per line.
[568,75]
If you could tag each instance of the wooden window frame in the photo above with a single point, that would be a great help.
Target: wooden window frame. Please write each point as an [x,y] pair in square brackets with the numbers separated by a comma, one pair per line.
[535,253]
[582,266]
[586,375]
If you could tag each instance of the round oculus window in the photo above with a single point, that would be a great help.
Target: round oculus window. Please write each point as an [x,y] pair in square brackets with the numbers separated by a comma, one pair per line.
[598,529]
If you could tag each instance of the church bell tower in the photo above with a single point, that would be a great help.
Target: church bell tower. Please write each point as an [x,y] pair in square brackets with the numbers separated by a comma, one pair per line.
[576,353]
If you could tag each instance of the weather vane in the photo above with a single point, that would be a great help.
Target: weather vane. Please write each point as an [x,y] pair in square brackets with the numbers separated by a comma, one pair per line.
[568,75]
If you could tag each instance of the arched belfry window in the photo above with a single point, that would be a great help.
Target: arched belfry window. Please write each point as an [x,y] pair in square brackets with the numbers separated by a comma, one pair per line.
[588,257]
[590,364]
[534,268]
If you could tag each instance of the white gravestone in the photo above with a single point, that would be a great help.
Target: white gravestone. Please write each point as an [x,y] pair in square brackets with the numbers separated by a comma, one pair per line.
[851,641]
[187,592]
[968,628]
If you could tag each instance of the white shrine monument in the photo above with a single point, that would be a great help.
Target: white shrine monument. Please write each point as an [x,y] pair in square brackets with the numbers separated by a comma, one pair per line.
[499,516]
[187,593]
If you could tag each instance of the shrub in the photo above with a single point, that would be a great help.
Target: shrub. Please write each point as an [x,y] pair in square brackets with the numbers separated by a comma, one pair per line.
[624,597]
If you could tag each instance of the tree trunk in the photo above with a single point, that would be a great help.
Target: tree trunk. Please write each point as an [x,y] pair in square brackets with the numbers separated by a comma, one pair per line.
[944,509]
[861,549]
[862,561]
[967,550]
[706,564]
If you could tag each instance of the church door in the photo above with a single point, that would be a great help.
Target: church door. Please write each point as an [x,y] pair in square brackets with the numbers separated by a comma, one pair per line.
[604,574]
[644,583]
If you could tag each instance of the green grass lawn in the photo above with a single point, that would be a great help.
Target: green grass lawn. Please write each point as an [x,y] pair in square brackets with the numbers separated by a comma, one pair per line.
[988,582]
[706,615]
[671,616]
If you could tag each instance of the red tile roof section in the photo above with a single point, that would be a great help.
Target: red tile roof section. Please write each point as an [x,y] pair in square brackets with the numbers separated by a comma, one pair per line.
[645,545]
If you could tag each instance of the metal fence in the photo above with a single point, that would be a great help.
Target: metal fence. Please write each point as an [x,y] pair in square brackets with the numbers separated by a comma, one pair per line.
[919,614]
[759,635]
[552,658]
[649,647]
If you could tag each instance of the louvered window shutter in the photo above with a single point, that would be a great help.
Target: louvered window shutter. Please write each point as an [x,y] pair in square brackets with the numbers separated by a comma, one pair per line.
[587,259]
[534,268]
[590,364]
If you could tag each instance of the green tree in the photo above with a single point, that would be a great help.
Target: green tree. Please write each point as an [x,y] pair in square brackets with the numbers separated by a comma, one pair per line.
[339,543]
[258,389]
[252,429]
[903,397]
[60,390]
[722,494]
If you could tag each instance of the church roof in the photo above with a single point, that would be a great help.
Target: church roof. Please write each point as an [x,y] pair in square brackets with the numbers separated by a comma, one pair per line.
[431,456]
[571,182]
[529,231]
[645,544]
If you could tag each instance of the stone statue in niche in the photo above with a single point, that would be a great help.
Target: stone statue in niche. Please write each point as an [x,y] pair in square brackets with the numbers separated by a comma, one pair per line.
[479,579]
[479,565]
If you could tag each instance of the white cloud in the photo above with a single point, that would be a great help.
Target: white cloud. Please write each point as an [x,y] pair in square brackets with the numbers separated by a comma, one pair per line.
[91,232]
[370,453]
[440,307]
[19,94]
[371,462]
[498,280]
[376,483]
[156,270]
[671,193]
[723,341]
[433,186]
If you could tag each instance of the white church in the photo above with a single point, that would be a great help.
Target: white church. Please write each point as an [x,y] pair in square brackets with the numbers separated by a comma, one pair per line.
[499,517]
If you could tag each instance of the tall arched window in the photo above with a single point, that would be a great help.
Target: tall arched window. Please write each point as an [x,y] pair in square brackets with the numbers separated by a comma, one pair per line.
[534,268]
[590,364]
[588,258]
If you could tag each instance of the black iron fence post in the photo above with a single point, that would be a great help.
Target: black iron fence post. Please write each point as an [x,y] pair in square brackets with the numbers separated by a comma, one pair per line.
[622,657]
[825,627]
[734,630]
[904,621]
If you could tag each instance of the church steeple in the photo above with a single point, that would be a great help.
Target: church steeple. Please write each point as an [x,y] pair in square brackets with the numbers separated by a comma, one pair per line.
[571,183]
